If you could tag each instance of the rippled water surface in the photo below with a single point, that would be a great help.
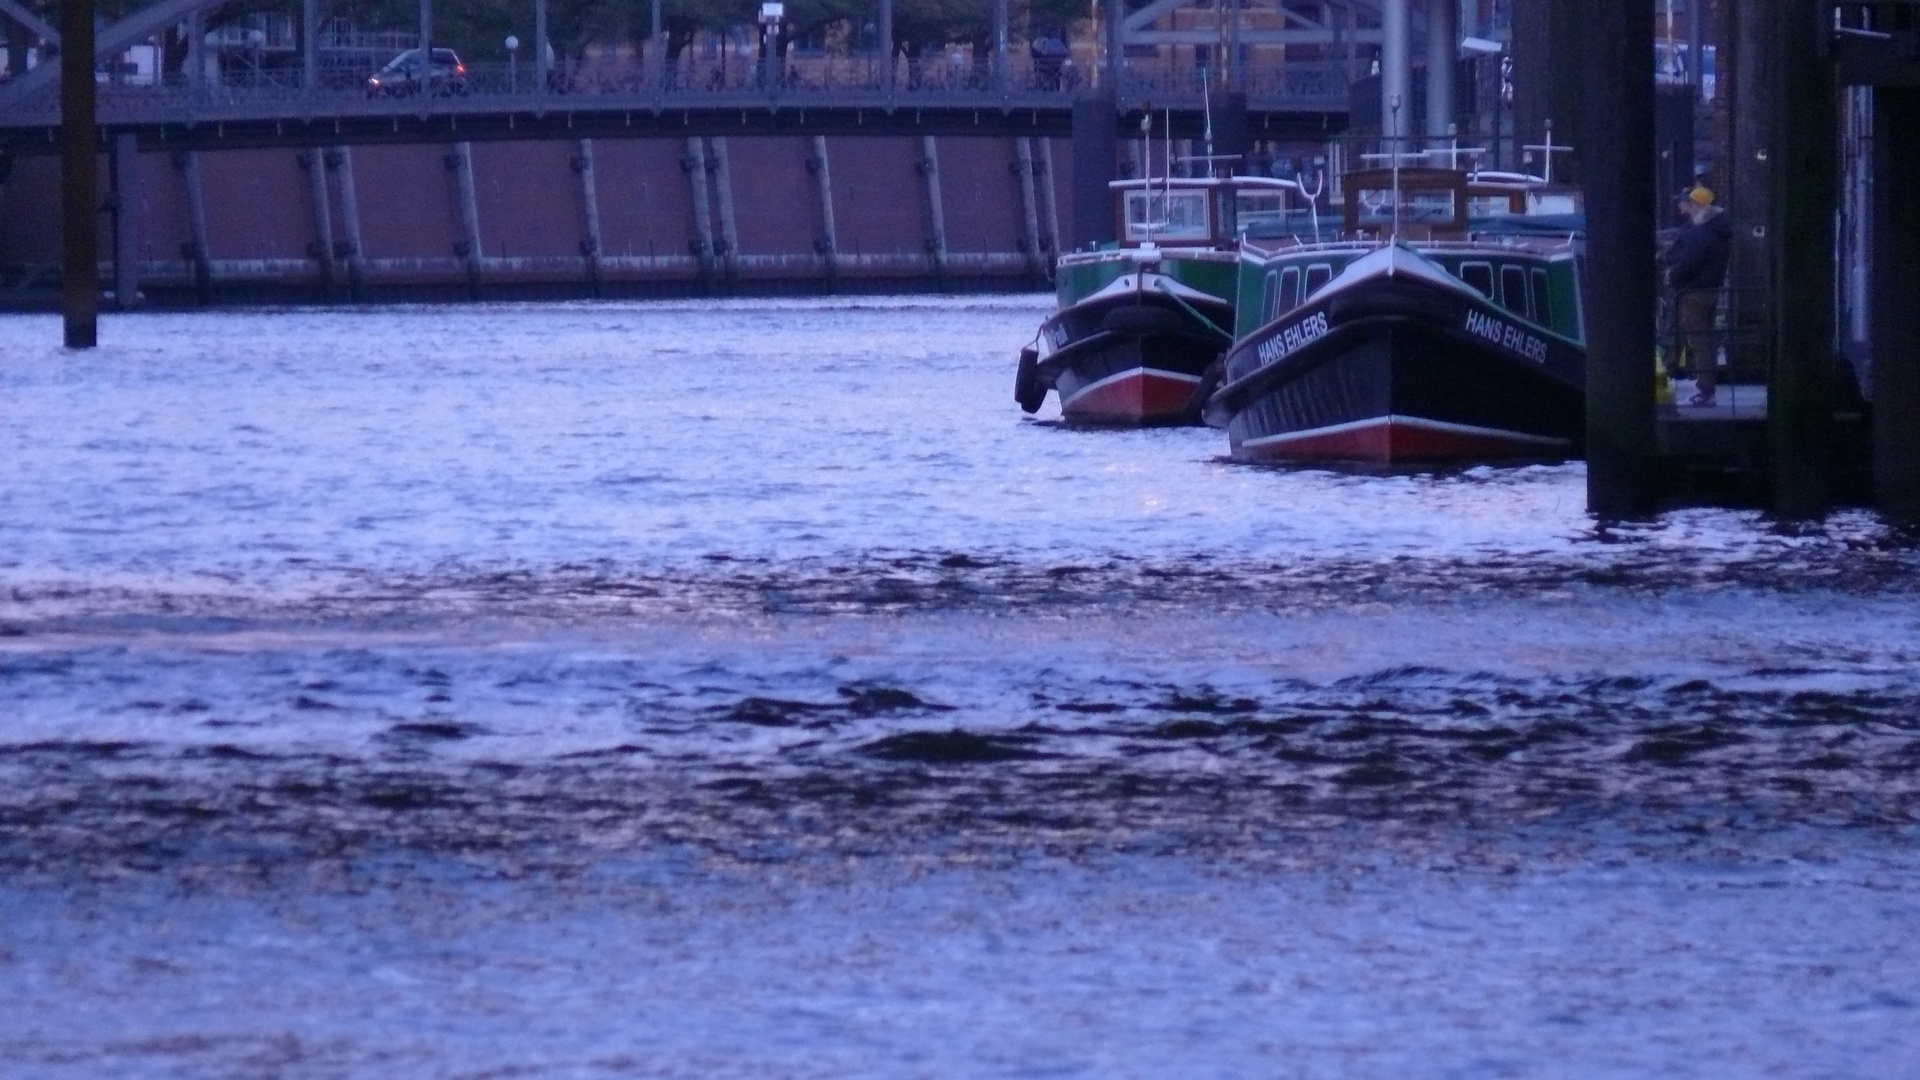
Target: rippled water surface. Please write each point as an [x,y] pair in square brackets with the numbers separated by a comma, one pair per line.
[747,689]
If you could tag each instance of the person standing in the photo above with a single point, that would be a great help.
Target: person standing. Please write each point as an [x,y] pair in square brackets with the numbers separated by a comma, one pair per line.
[1696,264]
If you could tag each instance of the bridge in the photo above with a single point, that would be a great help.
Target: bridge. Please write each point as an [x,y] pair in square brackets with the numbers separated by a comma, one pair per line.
[1000,92]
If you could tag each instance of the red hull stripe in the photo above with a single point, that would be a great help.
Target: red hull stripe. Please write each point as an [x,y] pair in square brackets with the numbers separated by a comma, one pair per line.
[1131,397]
[1400,438]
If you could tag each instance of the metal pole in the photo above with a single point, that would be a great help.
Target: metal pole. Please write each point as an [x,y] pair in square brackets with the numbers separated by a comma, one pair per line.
[1396,74]
[79,185]
[1618,124]
[542,65]
[886,46]
[1443,49]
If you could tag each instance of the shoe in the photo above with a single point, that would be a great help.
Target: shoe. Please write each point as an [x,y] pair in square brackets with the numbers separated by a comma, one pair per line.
[1701,401]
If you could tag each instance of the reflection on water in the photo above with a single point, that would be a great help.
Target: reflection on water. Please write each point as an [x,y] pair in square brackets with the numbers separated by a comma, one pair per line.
[644,668]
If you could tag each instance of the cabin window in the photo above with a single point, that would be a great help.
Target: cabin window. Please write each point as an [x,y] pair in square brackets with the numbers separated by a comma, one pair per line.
[1289,289]
[1166,215]
[1263,212]
[1542,298]
[1484,206]
[1419,206]
[1480,276]
[1513,290]
[1317,277]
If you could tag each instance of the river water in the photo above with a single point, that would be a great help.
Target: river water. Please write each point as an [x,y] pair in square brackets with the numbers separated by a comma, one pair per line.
[747,689]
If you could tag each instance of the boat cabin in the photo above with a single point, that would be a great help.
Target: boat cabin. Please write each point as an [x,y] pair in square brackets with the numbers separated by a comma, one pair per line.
[1439,204]
[1200,212]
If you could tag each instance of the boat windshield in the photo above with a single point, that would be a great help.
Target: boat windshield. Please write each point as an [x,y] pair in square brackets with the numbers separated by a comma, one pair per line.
[1167,215]
[1263,212]
[1417,206]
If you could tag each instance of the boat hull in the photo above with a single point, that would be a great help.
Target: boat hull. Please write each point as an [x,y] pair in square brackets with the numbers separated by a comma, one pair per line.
[1402,373]
[1133,353]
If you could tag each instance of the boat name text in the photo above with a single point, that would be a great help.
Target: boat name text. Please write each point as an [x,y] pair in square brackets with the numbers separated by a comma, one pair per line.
[1506,335]
[1292,339]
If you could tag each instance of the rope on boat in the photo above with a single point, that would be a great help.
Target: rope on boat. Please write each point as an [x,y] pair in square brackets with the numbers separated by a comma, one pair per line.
[1191,310]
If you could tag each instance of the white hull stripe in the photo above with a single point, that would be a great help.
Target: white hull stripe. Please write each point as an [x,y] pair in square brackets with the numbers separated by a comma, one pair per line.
[1407,421]
[1130,373]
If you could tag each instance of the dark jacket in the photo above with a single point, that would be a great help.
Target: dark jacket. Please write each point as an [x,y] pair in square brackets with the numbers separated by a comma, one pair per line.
[1698,257]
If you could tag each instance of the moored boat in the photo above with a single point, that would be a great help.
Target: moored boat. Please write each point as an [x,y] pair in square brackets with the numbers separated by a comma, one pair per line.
[1140,320]
[1446,326]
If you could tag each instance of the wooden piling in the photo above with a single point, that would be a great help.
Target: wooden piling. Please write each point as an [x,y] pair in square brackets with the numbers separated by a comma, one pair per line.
[314,161]
[695,164]
[1804,179]
[729,222]
[79,185]
[1096,138]
[936,214]
[1617,125]
[1029,209]
[828,242]
[126,219]
[460,160]
[198,247]
[1896,282]
[589,214]
[340,159]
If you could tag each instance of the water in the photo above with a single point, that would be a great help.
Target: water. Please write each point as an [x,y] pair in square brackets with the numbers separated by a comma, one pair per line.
[745,689]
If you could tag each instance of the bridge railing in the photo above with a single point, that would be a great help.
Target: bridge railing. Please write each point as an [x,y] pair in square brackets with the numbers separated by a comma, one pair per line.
[276,93]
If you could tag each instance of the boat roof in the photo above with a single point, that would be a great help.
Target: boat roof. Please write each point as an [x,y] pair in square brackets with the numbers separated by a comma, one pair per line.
[1143,182]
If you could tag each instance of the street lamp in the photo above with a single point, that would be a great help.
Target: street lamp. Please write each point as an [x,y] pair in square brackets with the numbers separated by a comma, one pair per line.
[513,70]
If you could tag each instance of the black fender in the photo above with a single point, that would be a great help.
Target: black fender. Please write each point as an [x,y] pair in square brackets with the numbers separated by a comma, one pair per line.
[1028,390]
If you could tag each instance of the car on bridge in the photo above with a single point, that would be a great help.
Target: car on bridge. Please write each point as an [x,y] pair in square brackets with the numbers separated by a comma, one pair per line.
[401,77]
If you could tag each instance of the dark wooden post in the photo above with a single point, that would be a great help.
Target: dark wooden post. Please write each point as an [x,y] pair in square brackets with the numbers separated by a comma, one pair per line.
[1805,181]
[1616,70]
[1550,44]
[1896,283]
[79,184]
[1096,139]
[1748,191]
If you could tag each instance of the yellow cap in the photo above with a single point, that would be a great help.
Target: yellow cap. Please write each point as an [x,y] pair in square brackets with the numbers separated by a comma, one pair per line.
[1700,196]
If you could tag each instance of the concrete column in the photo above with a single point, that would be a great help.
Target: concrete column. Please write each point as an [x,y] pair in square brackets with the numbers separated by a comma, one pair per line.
[695,164]
[936,214]
[1805,181]
[460,160]
[340,159]
[314,161]
[828,242]
[1096,136]
[1443,49]
[729,225]
[126,247]
[1396,74]
[197,228]
[589,214]
[1114,15]
[1896,282]
[1617,70]
[1230,134]
[1030,209]
[79,184]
